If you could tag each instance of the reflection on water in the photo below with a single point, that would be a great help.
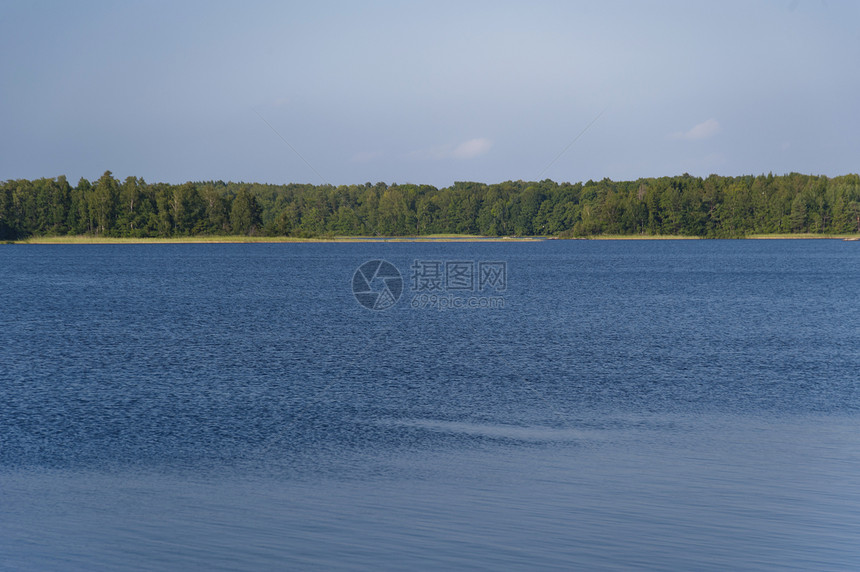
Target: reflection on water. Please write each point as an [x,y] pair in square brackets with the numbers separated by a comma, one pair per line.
[684,405]
[690,493]
[534,434]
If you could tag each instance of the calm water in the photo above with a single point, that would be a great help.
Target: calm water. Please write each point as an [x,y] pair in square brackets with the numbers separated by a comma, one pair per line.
[664,405]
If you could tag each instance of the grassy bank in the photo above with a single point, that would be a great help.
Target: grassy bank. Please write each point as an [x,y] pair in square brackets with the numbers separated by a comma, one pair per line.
[86,239]
[751,236]
[641,237]
[228,239]
[804,235]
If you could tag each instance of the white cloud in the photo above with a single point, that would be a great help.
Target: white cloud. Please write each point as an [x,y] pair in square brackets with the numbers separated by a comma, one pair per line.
[465,150]
[471,148]
[703,130]
[366,156]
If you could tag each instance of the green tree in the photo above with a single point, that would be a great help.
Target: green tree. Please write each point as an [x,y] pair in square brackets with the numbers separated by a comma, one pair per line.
[103,203]
[216,210]
[187,209]
[245,215]
[164,213]
[798,214]
[79,219]
[8,224]
[854,211]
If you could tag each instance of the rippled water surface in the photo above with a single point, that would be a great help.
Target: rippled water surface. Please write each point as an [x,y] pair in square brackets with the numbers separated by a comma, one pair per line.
[663,405]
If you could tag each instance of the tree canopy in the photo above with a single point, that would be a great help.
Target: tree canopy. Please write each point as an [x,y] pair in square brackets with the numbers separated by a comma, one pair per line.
[715,207]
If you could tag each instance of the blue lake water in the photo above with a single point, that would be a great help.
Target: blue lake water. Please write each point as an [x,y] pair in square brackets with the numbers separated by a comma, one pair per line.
[628,404]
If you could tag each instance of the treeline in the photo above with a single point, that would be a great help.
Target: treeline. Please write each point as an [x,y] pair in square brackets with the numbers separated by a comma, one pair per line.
[712,207]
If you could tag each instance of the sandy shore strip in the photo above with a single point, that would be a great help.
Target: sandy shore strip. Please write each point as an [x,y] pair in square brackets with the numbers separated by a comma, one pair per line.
[227,239]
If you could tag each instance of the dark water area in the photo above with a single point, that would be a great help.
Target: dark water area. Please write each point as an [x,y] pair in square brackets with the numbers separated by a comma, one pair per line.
[616,405]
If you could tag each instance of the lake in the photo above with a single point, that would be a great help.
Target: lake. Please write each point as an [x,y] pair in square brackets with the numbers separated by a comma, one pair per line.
[539,405]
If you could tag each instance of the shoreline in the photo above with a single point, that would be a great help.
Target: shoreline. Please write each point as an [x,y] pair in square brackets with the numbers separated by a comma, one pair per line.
[268,239]
[54,240]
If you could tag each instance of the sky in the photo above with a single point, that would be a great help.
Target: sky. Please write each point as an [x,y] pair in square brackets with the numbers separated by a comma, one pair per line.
[427,92]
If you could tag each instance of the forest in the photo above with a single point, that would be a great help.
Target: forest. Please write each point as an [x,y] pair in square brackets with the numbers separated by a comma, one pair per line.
[712,207]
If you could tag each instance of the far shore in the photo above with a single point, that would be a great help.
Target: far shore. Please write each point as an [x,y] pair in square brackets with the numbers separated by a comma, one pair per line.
[86,239]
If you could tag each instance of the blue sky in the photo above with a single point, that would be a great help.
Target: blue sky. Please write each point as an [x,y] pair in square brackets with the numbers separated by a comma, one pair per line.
[427,92]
